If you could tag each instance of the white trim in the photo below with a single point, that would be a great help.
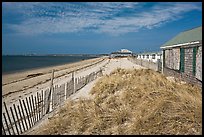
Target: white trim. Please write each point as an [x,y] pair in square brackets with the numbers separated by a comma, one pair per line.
[176,45]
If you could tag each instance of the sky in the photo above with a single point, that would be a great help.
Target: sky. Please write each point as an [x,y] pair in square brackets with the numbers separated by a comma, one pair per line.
[94,27]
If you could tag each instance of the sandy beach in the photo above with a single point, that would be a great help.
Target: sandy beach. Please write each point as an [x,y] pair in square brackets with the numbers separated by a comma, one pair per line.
[15,86]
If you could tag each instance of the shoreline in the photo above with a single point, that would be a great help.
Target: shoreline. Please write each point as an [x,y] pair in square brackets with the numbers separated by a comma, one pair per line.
[8,78]
[14,83]
[43,67]
[11,93]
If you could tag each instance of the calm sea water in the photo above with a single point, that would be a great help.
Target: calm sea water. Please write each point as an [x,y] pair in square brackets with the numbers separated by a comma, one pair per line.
[11,64]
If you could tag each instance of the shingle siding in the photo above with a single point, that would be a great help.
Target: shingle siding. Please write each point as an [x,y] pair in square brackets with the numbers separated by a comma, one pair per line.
[187,75]
[199,63]
[188,67]
[185,60]
[172,58]
[176,58]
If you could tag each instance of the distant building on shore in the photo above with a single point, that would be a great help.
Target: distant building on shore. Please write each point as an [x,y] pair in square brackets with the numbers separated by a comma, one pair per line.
[182,56]
[121,53]
[150,56]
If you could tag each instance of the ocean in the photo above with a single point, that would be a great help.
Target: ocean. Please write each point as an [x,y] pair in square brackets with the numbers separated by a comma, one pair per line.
[12,64]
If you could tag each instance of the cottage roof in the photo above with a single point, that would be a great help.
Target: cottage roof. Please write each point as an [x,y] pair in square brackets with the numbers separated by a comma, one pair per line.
[188,36]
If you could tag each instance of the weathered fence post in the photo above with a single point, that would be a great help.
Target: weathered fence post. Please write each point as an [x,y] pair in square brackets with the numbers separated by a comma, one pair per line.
[50,92]
[74,82]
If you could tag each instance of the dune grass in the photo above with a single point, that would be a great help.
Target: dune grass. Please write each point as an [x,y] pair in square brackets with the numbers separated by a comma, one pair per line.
[132,102]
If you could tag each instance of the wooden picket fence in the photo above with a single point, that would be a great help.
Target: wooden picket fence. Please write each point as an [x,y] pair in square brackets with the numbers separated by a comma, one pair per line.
[156,66]
[23,115]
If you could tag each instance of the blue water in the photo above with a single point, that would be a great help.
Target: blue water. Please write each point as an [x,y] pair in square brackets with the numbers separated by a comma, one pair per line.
[11,64]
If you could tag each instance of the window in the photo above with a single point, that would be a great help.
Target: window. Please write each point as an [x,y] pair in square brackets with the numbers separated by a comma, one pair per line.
[153,56]
[182,59]
[194,60]
[143,56]
[147,56]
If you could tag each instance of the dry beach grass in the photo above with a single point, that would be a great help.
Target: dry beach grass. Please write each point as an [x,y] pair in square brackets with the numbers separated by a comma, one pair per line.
[132,102]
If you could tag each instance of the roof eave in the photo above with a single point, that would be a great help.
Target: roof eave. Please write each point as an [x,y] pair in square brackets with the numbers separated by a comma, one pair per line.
[182,44]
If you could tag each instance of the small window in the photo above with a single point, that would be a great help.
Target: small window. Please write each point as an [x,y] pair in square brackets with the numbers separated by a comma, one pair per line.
[153,56]
[147,56]
[143,56]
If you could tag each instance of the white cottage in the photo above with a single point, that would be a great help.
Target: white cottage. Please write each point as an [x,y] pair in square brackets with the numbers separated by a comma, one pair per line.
[150,56]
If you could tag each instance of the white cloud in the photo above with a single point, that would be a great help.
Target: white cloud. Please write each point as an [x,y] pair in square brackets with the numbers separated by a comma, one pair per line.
[101,17]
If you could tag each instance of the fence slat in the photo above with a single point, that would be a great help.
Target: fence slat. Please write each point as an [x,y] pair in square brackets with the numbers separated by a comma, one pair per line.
[23,114]
[33,108]
[18,119]
[45,100]
[36,112]
[29,111]
[38,105]
[14,120]
[4,131]
[21,118]
[42,103]
[9,118]
[29,122]
[7,126]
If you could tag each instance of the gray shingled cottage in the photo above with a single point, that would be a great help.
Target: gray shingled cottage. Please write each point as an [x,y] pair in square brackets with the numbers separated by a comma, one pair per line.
[182,56]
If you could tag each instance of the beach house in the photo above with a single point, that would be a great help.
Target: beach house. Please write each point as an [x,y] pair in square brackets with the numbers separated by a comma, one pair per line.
[149,56]
[121,53]
[182,56]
